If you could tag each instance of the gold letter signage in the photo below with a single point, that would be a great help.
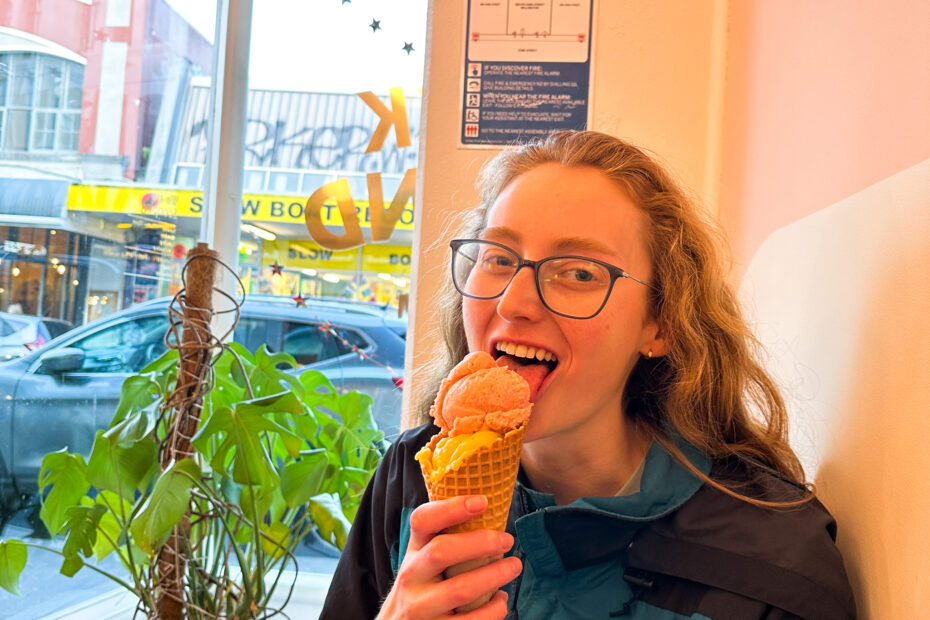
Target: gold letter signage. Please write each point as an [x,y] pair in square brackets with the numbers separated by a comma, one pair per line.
[383,221]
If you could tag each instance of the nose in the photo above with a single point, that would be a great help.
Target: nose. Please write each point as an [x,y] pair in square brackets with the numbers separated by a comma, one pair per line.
[520,300]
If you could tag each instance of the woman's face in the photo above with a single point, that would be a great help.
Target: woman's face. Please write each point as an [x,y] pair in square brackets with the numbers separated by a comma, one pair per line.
[556,210]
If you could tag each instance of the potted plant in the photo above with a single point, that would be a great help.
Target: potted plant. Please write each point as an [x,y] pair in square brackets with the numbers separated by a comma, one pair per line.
[202,493]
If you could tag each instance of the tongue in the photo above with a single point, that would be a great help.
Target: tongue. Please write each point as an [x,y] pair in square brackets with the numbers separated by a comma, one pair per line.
[532,372]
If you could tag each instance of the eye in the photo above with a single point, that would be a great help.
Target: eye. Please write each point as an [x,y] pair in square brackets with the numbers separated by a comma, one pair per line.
[495,260]
[576,274]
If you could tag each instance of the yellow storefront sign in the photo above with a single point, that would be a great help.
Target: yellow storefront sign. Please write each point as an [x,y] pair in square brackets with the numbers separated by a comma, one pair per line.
[301,254]
[386,258]
[189,203]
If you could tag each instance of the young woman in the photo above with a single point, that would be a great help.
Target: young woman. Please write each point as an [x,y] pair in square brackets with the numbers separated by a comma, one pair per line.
[656,478]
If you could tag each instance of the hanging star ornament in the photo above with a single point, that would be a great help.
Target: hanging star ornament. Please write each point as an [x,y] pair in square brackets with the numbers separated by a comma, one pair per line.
[300,300]
[276,269]
[375,25]
[408,47]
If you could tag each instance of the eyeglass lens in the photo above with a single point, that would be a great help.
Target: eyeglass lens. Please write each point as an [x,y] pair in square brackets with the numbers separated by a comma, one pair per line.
[570,286]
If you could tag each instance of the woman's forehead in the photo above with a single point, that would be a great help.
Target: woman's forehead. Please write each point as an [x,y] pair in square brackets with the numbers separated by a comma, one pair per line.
[566,208]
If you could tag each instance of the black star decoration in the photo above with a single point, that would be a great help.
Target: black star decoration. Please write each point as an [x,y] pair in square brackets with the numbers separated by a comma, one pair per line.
[375,25]
[300,300]
[276,269]
[408,47]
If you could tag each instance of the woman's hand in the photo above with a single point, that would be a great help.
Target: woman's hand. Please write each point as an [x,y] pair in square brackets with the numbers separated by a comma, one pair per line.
[420,592]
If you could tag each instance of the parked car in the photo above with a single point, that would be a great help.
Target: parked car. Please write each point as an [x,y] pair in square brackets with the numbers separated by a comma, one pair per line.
[20,334]
[60,395]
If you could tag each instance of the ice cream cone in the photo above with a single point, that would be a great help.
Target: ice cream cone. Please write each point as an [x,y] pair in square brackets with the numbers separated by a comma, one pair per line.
[491,471]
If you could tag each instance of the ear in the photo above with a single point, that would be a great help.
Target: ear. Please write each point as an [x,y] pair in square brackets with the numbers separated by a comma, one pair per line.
[654,342]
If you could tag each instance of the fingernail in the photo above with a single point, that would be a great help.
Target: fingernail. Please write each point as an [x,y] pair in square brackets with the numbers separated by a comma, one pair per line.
[506,541]
[476,503]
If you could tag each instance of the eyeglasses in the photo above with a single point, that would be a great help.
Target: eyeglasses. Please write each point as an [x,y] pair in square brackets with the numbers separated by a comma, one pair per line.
[576,287]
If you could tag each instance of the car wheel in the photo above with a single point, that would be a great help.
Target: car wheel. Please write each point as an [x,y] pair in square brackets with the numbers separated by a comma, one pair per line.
[10,500]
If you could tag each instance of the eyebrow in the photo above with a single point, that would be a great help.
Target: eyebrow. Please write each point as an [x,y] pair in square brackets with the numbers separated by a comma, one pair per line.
[562,244]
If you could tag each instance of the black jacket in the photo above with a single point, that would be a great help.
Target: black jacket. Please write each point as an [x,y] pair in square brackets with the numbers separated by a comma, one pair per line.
[677,549]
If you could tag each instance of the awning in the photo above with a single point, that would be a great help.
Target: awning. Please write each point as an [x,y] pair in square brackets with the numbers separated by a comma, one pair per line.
[43,198]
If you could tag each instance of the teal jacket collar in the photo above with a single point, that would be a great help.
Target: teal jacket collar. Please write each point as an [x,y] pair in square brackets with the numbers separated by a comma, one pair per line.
[593,529]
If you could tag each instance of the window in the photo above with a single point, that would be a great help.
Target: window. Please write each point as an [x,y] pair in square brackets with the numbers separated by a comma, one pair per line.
[123,157]
[40,102]
[284,182]
[125,347]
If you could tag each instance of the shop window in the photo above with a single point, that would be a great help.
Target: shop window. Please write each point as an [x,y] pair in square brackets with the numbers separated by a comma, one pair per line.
[16,130]
[188,176]
[284,182]
[313,180]
[40,102]
[253,180]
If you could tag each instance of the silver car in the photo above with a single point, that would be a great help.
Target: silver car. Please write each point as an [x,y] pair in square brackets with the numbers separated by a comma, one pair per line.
[20,334]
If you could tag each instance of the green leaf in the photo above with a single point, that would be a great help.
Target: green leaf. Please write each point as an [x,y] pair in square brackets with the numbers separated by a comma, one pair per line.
[135,426]
[326,512]
[121,469]
[265,377]
[355,411]
[305,478]
[276,539]
[164,363]
[110,529]
[166,506]
[71,565]
[81,526]
[284,401]
[255,500]
[13,555]
[109,541]
[138,391]
[238,433]
[65,473]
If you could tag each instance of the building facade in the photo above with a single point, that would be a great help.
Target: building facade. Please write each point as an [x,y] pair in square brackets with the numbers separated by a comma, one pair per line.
[104,117]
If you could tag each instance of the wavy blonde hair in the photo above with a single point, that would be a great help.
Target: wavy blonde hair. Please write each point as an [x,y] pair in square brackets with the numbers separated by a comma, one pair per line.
[710,389]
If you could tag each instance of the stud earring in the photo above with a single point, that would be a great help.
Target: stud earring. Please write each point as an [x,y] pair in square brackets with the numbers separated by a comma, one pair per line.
[649,354]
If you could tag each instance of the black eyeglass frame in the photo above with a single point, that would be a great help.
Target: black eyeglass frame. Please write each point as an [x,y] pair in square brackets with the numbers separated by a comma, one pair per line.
[615,274]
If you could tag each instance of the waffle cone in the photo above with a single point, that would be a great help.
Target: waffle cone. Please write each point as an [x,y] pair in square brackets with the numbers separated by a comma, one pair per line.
[491,471]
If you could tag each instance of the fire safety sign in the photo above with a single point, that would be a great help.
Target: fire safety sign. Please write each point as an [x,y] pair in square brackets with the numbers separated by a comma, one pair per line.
[527,70]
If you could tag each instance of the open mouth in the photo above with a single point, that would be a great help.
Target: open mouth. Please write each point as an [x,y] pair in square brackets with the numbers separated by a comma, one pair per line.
[534,364]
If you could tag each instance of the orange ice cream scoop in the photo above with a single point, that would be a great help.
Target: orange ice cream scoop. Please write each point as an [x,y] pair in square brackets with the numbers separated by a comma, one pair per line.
[480,395]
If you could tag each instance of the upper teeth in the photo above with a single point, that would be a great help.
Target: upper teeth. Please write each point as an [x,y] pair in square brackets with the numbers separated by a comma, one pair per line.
[522,350]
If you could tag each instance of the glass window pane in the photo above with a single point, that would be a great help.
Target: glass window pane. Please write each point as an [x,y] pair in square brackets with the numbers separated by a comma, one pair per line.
[4,76]
[16,130]
[75,86]
[50,81]
[136,199]
[125,347]
[253,180]
[69,130]
[188,176]
[23,79]
[284,182]
[313,180]
[44,130]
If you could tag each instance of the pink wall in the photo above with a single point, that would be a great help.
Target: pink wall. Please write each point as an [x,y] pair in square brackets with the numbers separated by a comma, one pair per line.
[825,191]
[822,99]
[64,22]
